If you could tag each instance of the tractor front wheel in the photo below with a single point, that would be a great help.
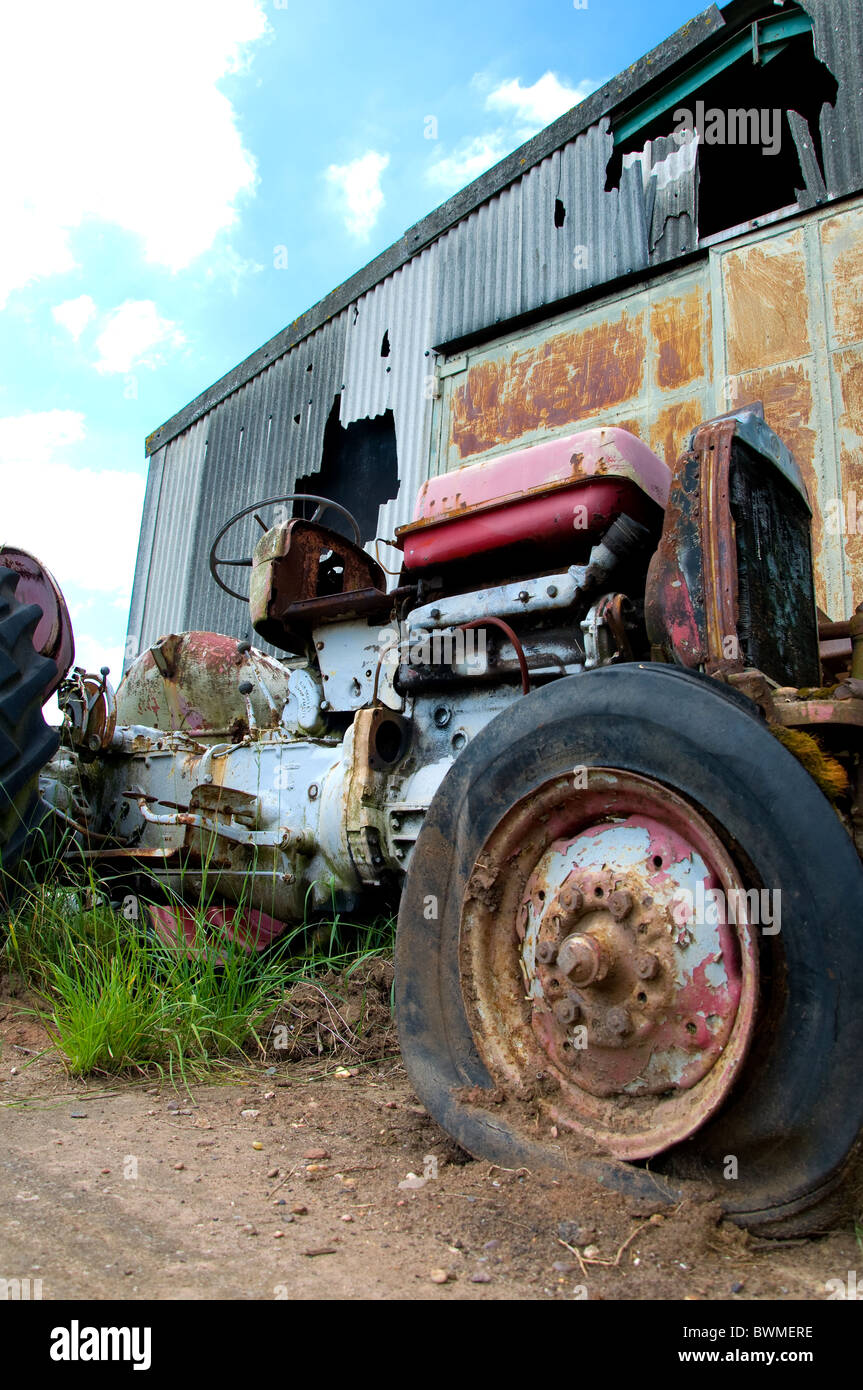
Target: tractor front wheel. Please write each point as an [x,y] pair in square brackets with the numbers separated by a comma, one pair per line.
[633,926]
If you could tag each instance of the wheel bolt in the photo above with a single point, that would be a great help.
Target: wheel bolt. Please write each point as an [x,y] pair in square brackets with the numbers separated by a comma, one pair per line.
[546,953]
[646,966]
[572,899]
[619,1022]
[620,903]
[567,1010]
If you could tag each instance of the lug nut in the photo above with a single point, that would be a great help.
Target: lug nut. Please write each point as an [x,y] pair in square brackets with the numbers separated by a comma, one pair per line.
[572,899]
[619,1022]
[582,958]
[620,903]
[546,953]
[646,966]
[567,1010]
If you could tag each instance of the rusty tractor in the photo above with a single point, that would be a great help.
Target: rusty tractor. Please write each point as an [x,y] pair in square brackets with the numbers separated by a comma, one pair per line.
[600,740]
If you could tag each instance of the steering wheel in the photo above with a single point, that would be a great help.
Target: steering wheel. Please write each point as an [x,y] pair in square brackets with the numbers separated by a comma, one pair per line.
[324,504]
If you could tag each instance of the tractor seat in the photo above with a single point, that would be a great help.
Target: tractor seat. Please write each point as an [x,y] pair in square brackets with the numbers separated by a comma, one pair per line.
[303,576]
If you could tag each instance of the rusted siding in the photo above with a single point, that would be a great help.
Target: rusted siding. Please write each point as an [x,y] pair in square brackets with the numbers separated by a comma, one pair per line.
[572,375]
[790,333]
[677,325]
[671,428]
[641,362]
[765,291]
[842,257]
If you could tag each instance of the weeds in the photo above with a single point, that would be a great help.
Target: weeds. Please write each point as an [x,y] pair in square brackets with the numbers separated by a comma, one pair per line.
[115,997]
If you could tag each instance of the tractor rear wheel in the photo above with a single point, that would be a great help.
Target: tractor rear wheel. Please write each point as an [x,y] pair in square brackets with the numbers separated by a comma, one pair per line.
[27,743]
[633,926]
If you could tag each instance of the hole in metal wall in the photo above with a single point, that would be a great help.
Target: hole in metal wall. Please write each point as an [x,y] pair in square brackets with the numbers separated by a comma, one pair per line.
[359,469]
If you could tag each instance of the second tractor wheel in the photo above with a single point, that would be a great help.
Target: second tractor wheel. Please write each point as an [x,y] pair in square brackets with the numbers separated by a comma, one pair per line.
[633,924]
[26,742]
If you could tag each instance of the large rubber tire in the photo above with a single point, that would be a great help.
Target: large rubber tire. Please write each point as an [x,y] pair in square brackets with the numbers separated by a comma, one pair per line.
[794,1115]
[27,743]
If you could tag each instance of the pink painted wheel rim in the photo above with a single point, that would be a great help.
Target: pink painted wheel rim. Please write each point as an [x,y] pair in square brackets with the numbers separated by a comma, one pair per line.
[642,1042]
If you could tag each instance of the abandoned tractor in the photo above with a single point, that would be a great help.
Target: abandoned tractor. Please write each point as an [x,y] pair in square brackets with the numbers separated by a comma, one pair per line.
[596,739]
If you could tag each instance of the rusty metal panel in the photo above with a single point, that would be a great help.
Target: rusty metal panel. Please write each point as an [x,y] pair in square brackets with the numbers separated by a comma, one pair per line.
[639,361]
[765,290]
[789,331]
[842,251]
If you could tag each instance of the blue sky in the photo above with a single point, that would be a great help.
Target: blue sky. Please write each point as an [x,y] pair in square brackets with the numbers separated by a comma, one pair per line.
[182,178]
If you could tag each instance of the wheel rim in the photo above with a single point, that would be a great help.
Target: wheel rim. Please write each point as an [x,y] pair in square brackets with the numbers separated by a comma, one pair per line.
[608,962]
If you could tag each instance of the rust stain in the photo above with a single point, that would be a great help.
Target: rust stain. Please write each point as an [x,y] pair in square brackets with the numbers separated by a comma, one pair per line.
[765,287]
[635,427]
[849,375]
[788,409]
[670,430]
[565,379]
[842,238]
[677,327]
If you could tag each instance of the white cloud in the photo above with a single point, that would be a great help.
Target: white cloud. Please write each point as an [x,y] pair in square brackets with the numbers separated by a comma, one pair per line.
[135,335]
[75,314]
[81,522]
[470,159]
[359,184]
[538,105]
[113,114]
[525,110]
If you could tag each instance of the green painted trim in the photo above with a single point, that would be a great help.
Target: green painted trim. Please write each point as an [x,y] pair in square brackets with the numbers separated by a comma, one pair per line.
[774,30]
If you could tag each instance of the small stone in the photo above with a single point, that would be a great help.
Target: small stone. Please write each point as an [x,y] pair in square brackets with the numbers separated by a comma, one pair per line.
[574,1233]
[737,1288]
[591,1252]
[491,1245]
[77,1114]
[412,1183]
[173,1105]
[300,1210]
[178,1167]
[273,1173]
[250,1114]
[439,1276]
[277,1235]
[250,1230]
[316,1154]
[480,1277]
[269,1095]
[320,1250]
[257,1144]
[347,1217]
[104,1171]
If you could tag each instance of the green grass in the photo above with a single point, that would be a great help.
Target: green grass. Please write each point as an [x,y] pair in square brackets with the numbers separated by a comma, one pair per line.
[114,997]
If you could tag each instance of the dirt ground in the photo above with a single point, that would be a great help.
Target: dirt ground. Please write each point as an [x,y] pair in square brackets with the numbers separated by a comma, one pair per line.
[283,1182]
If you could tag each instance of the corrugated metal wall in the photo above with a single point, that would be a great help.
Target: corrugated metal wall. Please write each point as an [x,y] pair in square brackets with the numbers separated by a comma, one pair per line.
[511,255]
